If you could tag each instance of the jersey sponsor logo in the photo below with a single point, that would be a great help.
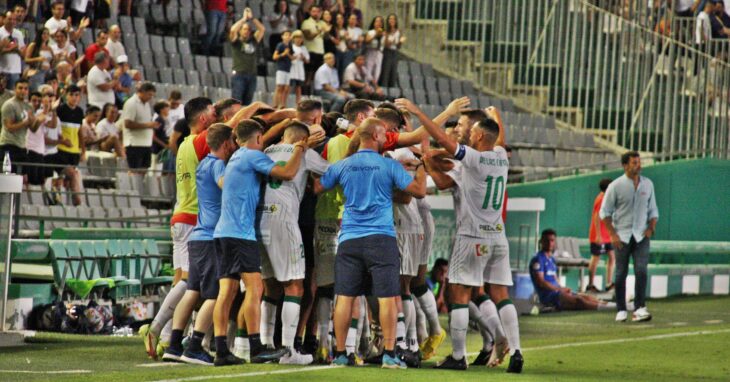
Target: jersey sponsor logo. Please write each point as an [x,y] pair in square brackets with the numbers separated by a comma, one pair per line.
[490,228]
[363,168]
[536,266]
[327,230]
[270,208]
[184,176]
[482,249]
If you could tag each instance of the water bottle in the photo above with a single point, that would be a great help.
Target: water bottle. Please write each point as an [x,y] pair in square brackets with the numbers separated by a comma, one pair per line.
[6,163]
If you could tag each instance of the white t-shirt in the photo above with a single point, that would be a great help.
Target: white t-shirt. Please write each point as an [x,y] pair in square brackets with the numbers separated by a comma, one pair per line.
[136,111]
[315,45]
[300,53]
[98,97]
[68,49]
[326,75]
[54,25]
[353,34]
[115,49]
[283,24]
[353,73]
[105,128]
[12,62]
[52,133]
[703,28]
[393,39]
[683,5]
[35,141]
[172,118]
[375,43]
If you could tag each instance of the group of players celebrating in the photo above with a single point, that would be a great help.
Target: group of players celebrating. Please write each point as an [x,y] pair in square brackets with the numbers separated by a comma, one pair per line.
[361,297]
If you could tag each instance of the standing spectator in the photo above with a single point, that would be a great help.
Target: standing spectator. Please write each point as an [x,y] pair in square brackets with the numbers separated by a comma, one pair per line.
[303,12]
[98,46]
[57,22]
[600,242]
[160,137]
[686,8]
[352,9]
[215,17]
[88,128]
[358,80]
[114,44]
[703,26]
[62,50]
[5,94]
[177,110]
[123,90]
[139,127]
[71,148]
[339,38]
[52,132]
[245,43]
[38,142]
[314,30]
[99,83]
[282,56]
[334,6]
[18,118]
[280,21]
[78,11]
[630,214]
[11,46]
[21,12]
[38,57]
[374,47]
[393,40]
[355,39]
[62,78]
[327,84]
[107,131]
[102,11]
[329,37]
[300,58]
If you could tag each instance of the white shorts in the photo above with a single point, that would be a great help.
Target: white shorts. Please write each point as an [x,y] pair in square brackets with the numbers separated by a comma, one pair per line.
[180,235]
[476,261]
[410,246]
[429,229]
[282,78]
[282,250]
[326,234]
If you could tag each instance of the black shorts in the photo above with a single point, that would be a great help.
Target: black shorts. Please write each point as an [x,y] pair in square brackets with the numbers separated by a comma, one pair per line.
[600,249]
[360,259]
[139,156]
[237,256]
[52,159]
[203,272]
[67,159]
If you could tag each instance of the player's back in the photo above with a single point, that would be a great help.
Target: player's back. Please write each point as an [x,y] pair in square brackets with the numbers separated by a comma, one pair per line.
[207,174]
[192,150]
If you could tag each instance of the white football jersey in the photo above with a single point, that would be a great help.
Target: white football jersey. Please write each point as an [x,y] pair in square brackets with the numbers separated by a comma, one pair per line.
[286,195]
[406,217]
[481,181]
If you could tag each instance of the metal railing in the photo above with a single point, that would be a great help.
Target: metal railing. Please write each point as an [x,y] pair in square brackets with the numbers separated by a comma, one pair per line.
[613,75]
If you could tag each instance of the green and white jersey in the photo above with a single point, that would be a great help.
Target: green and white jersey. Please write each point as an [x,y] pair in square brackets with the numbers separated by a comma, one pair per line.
[406,217]
[481,180]
[281,198]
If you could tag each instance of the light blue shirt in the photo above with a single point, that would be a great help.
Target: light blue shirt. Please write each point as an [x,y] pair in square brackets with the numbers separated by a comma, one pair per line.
[368,181]
[630,208]
[241,190]
[207,174]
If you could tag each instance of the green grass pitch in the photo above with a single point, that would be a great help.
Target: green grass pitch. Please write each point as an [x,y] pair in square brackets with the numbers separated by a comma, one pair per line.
[688,340]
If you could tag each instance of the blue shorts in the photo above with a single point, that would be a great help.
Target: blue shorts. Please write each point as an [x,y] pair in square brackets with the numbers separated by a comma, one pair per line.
[551,298]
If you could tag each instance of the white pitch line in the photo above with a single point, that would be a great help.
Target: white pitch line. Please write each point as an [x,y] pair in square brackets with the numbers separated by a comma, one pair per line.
[251,374]
[46,372]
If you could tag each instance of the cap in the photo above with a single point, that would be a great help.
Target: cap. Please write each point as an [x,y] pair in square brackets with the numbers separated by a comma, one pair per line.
[122,59]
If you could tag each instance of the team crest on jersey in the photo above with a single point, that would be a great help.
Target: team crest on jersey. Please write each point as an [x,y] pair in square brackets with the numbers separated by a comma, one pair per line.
[499,228]
[482,249]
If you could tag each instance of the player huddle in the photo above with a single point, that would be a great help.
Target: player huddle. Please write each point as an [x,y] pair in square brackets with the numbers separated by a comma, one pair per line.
[236,228]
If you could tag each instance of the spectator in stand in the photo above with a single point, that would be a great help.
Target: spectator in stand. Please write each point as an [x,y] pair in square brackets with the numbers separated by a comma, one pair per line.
[334,6]
[52,131]
[329,40]
[99,83]
[98,46]
[686,8]
[123,90]
[160,137]
[11,46]
[245,43]
[360,82]
[179,133]
[282,56]
[392,42]
[38,57]
[17,118]
[215,17]
[62,78]
[327,84]
[21,12]
[374,47]
[139,127]
[279,22]
[102,11]
[303,12]
[114,44]
[5,94]
[352,9]
[57,22]
[78,10]
[63,50]
[339,38]
[719,20]
[35,101]
[600,242]
[35,143]
[88,129]
[437,282]
[703,29]
[71,149]
[355,39]
[314,30]
[177,110]
[300,58]
[38,143]
[107,131]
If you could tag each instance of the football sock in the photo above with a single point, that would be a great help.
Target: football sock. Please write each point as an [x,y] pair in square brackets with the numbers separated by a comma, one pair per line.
[409,313]
[167,308]
[351,339]
[400,331]
[221,346]
[176,339]
[459,323]
[476,316]
[324,315]
[428,304]
[421,323]
[196,341]
[254,341]
[494,325]
[268,320]
[290,320]
[508,316]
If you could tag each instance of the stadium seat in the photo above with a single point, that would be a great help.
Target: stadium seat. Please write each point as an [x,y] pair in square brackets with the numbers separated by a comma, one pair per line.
[170,43]
[192,77]
[187,61]
[183,46]
[214,64]
[125,23]
[178,76]
[201,63]
[160,58]
[174,60]
[139,26]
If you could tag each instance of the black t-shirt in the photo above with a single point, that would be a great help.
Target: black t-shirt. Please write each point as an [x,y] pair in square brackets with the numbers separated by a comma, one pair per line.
[283,63]
[181,126]
[160,134]
[67,114]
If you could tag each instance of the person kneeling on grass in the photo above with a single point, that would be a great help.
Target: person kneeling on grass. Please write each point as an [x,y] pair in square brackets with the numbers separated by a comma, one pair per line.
[543,273]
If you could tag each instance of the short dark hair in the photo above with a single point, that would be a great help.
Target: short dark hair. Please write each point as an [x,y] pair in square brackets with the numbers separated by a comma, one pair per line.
[626,157]
[354,106]
[440,262]
[175,95]
[21,5]
[218,134]
[307,105]
[329,123]
[247,128]
[603,184]
[474,115]
[101,31]
[73,88]
[222,105]
[21,81]
[147,87]
[92,109]
[544,236]
[389,116]
[450,124]
[159,105]
[35,94]
[56,3]
[299,127]
[490,126]
[196,106]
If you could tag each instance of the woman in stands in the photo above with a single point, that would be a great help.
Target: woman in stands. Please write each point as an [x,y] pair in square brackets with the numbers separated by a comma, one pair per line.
[329,44]
[280,21]
[392,42]
[354,40]
[108,133]
[339,38]
[374,47]
[62,50]
[300,57]
[38,56]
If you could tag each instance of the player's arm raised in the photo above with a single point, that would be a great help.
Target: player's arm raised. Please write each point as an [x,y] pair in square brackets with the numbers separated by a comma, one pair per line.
[416,136]
[493,113]
[289,171]
[435,131]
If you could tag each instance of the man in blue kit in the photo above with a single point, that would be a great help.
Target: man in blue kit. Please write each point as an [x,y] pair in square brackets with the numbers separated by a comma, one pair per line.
[235,237]
[367,242]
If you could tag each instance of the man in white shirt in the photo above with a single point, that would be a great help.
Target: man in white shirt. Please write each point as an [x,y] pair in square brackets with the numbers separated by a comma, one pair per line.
[139,127]
[327,84]
[114,44]
[11,47]
[703,25]
[57,21]
[359,81]
[99,83]
[177,110]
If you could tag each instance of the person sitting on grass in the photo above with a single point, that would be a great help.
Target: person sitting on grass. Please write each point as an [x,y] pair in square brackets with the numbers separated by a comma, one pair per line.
[544,275]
